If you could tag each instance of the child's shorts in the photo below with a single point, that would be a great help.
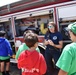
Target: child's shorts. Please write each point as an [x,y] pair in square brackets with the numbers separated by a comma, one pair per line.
[7,60]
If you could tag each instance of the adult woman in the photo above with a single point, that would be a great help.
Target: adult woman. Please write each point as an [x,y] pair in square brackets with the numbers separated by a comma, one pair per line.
[53,42]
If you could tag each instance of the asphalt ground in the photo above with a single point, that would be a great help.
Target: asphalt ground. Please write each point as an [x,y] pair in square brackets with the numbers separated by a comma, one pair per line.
[13,69]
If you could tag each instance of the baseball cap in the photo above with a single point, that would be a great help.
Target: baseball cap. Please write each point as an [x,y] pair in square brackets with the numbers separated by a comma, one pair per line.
[72,27]
[2,33]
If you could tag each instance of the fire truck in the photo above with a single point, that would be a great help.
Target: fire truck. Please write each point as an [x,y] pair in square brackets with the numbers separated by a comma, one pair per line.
[39,14]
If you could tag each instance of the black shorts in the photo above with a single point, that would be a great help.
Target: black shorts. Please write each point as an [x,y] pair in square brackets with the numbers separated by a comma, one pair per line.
[7,60]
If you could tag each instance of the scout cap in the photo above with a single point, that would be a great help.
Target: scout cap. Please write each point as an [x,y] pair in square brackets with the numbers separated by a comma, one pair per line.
[72,27]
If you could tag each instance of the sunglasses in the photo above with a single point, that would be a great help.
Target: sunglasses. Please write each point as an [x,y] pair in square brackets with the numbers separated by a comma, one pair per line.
[50,26]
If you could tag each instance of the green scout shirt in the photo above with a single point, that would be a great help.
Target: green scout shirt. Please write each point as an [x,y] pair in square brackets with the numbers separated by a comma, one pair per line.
[22,48]
[67,60]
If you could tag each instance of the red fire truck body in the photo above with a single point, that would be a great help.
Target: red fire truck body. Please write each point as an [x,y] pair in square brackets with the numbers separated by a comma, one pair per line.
[16,22]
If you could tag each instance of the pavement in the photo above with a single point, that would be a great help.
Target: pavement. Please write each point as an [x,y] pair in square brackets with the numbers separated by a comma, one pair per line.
[13,69]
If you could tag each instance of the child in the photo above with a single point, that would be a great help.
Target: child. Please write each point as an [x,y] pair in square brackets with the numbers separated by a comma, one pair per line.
[67,60]
[24,46]
[5,53]
[30,61]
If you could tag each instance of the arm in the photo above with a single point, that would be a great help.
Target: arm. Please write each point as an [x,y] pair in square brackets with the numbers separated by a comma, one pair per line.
[20,49]
[8,45]
[46,42]
[43,66]
[20,61]
[60,45]
[61,72]
[17,54]
[46,39]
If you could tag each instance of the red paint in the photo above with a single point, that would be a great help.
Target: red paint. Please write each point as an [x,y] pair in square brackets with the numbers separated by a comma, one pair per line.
[36,6]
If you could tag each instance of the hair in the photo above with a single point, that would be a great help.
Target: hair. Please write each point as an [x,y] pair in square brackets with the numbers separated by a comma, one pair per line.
[2,33]
[30,39]
[28,31]
[52,23]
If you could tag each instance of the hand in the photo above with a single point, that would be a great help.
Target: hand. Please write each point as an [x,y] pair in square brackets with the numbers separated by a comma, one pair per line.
[51,42]
[46,42]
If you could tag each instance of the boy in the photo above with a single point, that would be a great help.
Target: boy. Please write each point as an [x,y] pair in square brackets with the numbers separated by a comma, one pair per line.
[24,46]
[5,53]
[67,60]
[30,61]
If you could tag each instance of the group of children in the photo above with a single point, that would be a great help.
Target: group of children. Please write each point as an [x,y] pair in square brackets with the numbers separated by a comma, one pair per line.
[32,62]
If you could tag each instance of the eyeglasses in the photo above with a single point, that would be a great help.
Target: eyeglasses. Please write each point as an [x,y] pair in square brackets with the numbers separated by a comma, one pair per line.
[50,26]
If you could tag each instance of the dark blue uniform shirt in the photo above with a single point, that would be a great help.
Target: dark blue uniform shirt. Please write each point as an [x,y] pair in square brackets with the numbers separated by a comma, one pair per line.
[55,37]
